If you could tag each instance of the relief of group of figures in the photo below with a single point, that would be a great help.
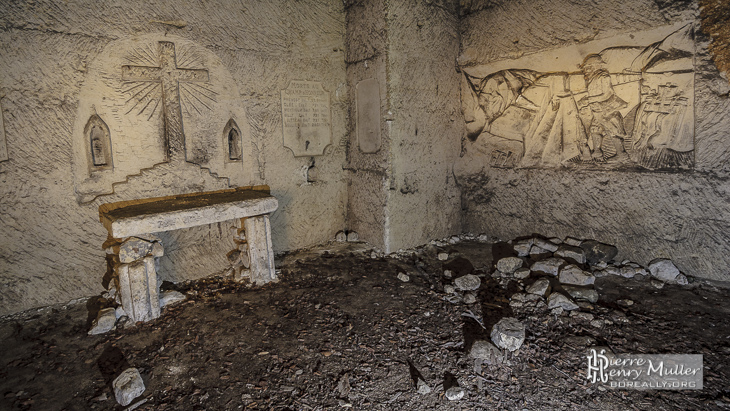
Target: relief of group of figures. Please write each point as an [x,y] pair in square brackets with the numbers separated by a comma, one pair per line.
[623,107]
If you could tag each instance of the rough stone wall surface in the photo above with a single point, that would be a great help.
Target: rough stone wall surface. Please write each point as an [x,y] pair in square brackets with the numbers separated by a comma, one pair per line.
[51,239]
[682,216]
[405,194]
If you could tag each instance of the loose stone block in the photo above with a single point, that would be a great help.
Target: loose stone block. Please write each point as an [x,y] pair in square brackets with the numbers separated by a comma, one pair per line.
[540,287]
[340,237]
[572,241]
[170,297]
[548,266]
[484,350]
[104,321]
[557,300]
[663,269]
[455,393]
[598,252]
[509,264]
[545,244]
[352,237]
[572,274]
[574,253]
[522,273]
[260,249]
[404,277]
[508,334]
[582,293]
[468,282]
[522,248]
[128,386]
[538,252]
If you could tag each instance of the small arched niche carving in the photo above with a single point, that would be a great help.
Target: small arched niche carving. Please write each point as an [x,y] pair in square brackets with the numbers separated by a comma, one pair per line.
[99,144]
[232,141]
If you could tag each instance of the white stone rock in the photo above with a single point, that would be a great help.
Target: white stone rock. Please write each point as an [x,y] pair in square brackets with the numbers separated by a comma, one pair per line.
[508,334]
[657,284]
[104,321]
[468,282]
[681,280]
[572,274]
[557,311]
[572,241]
[470,298]
[443,256]
[422,387]
[597,323]
[555,240]
[170,297]
[455,393]
[449,289]
[582,293]
[664,270]
[548,266]
[352,237]
[484,350]
[509,264]
[559,300]
[538,252]
[540,287]
[128,386]
[340,237]
[522,273]
[522,248]
[569,252]
[448,273]
[581,316]
[454,239]
[545,244]
[404,277]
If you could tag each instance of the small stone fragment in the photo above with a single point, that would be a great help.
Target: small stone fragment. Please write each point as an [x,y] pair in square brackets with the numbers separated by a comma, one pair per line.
[548,266]
[170,297]
[625,303]
[572,274]
[128,386]
[104,321]
[509,264]
[582,293]
[449,289]
[574,253]
[484,350]
[404,277]
[508,334]
[598,252]
[352,237]
[545,244]
[443,256]
[522,273]
[522,248]
[557,311]
[537,252]
[664,270]
[455,393]
[597,323]
[581,316]
[540,287]
[470,298]
[555,240]
[422,387]
[681,280]
[657,284]
[468,282]
[573,241]
[448,273]
[341,237]
[559,300]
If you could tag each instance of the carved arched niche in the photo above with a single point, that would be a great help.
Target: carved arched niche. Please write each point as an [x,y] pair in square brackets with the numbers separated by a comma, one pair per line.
[232,141]
[99,144]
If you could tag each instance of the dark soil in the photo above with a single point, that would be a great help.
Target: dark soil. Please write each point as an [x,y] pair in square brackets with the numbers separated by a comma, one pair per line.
[340,331]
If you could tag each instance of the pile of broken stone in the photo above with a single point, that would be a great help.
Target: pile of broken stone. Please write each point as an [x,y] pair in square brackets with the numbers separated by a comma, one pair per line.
[571,265]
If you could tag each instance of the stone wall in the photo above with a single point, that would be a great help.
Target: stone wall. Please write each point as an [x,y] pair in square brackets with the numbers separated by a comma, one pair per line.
[403,193]
[666,208]
[80,129]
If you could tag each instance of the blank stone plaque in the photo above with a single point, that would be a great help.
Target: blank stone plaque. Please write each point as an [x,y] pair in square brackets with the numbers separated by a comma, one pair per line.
[3,145]
[368,115]
[306,118]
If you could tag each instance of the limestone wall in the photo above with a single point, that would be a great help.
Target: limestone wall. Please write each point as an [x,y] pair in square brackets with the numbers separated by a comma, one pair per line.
[82,126]
[530,161]
[402,191]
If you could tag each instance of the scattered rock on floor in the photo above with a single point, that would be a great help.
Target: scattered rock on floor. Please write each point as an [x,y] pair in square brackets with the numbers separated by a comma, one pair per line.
[596,251]
[470,298]
[545,244]
[352,237]
[664,270]
[557,300]
[104,321]
[522,273]
[404,277]
[509,265]
[170,297]
[484,350]
[548,266]
[422,387]
[455,393]
[574,253]
[540,287]
[582,293]
[468,282]
[572,274]
[443,256]
[508,334]
[340,237]
[128,386]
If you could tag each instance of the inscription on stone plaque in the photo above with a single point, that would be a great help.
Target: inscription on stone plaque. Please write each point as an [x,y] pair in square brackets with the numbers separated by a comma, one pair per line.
[306,118]
[3,145]
[368,115]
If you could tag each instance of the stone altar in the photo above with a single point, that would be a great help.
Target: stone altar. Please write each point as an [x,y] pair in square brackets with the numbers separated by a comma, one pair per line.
[134,247]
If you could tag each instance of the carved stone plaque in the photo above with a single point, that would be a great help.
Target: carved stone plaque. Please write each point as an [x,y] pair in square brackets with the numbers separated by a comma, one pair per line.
[3,145]
[306,118]
[368,115]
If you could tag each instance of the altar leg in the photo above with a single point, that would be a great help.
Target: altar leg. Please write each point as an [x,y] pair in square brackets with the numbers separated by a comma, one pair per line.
[260,250]
[136,278]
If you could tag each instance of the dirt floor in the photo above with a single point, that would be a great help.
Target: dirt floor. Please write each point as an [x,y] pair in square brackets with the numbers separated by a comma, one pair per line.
[341,331]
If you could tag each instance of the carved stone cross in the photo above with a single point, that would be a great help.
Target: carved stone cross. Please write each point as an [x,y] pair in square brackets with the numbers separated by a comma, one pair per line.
[169,75]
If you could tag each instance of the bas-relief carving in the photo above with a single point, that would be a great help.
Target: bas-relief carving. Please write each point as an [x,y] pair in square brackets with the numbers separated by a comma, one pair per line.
[306,118]
[368,115]
[621,106]
[164,99]
[3,143]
